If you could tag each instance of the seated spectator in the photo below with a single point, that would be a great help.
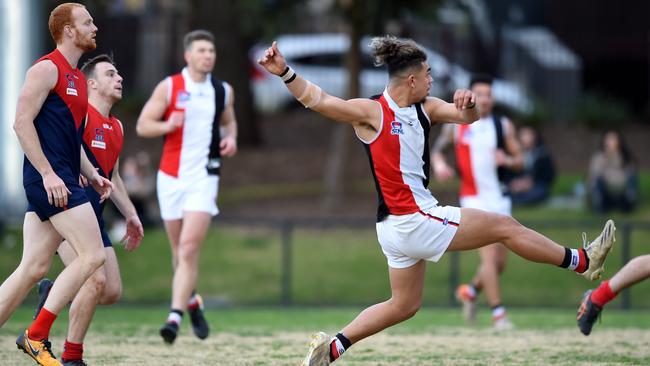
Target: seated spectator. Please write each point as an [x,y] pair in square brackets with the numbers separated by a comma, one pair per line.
[612,175]
[533,184]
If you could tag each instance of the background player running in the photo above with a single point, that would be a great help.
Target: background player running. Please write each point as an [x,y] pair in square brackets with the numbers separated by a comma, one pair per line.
[484,150]
[195,114]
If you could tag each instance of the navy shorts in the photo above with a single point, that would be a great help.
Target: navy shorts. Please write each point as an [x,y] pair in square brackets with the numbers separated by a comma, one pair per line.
[37,199]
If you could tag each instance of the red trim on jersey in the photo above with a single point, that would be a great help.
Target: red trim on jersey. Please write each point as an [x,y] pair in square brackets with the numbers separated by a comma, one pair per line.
[171,156]
[104,137]
[439,219]
[385,152]
[464,161]
[70,86]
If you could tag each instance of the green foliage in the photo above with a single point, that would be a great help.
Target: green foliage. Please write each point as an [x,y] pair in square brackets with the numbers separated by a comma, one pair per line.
[599,110]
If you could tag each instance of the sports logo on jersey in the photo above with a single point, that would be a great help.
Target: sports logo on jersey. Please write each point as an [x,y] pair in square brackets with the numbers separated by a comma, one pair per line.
[107,126]
[98,144]
[98,141]
[71,90]
[445,221]
[396,128]
[182,98]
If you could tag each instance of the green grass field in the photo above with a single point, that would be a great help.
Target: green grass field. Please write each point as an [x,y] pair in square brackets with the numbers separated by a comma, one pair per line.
[242,266]
[242,273]
[279,336]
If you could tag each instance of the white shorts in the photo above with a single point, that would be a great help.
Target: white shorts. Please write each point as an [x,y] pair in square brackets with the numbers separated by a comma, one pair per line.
[501,205]
[176,196]
[406,239]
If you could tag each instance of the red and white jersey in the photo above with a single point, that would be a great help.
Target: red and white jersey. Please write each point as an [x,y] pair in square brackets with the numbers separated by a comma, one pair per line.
[399,159]
[192,151]
[476,146]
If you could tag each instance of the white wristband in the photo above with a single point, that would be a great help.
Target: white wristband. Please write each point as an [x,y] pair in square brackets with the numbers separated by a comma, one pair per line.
[288,74]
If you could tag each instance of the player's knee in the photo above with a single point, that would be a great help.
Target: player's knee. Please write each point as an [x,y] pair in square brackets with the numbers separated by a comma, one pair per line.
[111,295]
[98,259]
[35,271]
[93,260]
[410,310]
[507,227]
[98,281]
[407,309]
[190,254]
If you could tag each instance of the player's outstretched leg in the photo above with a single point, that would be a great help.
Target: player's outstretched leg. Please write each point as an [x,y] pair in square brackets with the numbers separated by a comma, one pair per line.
[480,228]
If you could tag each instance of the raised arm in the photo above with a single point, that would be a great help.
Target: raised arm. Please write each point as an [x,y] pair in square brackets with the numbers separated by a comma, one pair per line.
[39,81]
[463,110]
[150,123]
[441,169]
[228,124]
[363,114]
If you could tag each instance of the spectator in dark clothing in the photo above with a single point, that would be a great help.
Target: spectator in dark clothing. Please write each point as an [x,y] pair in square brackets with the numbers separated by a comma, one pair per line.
[613,179]
[533,184]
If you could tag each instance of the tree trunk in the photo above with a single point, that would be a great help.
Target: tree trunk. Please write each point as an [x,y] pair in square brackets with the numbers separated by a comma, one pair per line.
[338,157]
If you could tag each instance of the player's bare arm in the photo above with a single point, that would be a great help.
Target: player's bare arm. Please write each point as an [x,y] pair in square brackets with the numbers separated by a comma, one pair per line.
[120,197]
[441,168]
[463,110]
[150,123]
[228,124]
[514,159]
[39,81]
[363,114]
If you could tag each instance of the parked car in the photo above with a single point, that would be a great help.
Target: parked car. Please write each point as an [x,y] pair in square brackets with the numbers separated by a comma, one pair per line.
[320,58]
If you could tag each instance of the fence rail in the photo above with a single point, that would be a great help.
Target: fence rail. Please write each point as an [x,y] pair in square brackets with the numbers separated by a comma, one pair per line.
[287,226]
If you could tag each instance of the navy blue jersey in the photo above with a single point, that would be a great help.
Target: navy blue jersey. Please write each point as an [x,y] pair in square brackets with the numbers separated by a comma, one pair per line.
[59,123]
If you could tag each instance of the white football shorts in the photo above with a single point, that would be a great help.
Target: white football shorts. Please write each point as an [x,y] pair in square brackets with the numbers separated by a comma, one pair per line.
[406,239]
[176,196]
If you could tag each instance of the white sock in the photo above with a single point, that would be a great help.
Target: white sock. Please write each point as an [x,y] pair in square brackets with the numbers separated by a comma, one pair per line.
[498,312]
[339,347]
[174,317]
[193,300]
[575,259]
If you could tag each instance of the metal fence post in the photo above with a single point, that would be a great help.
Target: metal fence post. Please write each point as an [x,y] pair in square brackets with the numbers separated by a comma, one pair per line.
[626,300]
[454,275]
[286,232]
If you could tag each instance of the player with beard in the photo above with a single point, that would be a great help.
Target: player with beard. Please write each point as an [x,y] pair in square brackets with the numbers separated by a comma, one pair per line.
[49,122]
